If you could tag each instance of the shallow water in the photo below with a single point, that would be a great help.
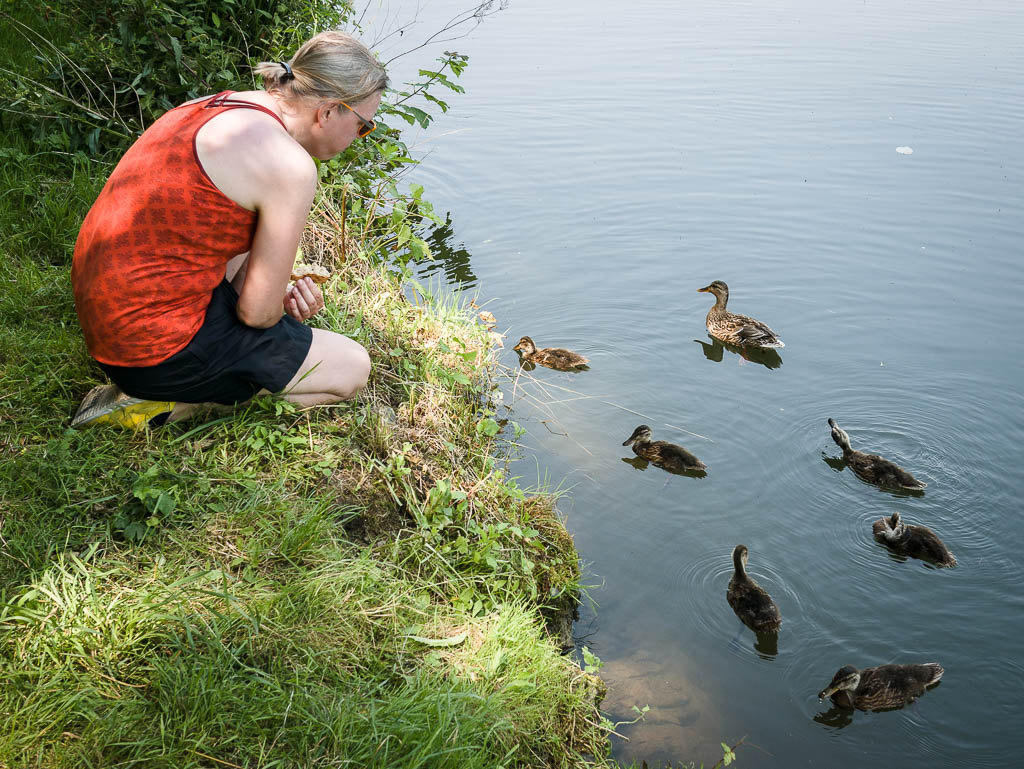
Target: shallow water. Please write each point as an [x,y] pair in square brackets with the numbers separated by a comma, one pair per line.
[602,166]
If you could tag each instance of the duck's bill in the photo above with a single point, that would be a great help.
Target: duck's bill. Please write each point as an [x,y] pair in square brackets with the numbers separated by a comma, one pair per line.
[827,692]
[705,290]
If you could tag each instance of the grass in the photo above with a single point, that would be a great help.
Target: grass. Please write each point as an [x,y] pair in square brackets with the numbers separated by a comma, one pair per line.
[352,585]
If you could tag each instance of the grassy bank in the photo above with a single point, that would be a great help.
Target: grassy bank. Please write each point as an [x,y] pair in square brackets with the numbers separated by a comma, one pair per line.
[347,585]
[352,585]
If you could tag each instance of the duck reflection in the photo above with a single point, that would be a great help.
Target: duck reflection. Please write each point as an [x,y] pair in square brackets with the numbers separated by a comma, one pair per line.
[639,463]
[763,356]
[767,645]
[835,717]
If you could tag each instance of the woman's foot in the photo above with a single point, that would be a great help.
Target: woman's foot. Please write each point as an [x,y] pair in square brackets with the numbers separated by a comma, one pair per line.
[106,404]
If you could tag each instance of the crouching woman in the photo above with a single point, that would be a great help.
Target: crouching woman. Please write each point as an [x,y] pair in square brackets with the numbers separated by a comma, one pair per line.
[182,266]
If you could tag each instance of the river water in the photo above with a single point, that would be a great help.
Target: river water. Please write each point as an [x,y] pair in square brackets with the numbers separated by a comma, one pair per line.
[608,160]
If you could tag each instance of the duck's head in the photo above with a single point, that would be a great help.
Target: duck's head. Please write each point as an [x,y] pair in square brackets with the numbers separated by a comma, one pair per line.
[526,346]
[888,528]
[847,677]
[739,557]
[642,433]
[716,287]
[839,435]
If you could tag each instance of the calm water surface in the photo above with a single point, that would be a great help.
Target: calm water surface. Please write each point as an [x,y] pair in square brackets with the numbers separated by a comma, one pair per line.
[603,165]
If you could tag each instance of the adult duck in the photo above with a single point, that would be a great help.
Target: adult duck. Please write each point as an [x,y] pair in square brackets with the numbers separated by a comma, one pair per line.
[739,330]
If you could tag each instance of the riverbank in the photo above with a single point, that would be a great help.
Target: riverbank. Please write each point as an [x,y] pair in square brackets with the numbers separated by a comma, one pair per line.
[355,584]
[351,585]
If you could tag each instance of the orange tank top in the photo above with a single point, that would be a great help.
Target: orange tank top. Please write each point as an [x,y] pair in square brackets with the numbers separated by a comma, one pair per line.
[155,243]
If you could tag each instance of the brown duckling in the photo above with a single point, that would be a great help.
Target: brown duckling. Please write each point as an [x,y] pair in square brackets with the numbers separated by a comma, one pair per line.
[871,467]
[739,330]
[914,541]
[749,600]
[669,456]
[552,357]
[886,686]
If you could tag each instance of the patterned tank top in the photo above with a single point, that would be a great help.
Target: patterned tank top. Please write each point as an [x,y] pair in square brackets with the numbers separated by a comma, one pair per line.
[155,243]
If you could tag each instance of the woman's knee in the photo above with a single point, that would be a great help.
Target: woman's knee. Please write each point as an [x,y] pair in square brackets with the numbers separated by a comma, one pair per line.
[350,370]
[359,368]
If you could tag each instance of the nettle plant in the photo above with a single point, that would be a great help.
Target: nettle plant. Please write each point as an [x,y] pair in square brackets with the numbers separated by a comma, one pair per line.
[122,63]
[391,223]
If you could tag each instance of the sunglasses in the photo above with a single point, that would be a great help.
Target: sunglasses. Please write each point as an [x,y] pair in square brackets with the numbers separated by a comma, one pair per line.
[366,127]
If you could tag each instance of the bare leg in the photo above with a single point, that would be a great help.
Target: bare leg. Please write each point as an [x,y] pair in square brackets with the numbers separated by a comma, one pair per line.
[335,369]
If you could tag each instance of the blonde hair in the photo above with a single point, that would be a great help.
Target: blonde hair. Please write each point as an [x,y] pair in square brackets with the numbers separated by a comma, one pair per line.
[330,65]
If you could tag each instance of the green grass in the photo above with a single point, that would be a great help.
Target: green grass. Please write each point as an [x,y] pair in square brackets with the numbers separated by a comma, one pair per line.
[249,590]
[298,666]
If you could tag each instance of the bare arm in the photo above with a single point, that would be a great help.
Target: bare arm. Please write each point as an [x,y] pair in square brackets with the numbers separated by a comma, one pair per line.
[283,208]
[255,163]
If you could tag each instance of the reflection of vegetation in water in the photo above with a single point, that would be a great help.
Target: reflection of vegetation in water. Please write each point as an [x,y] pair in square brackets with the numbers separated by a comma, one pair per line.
[764,356]
[453,259]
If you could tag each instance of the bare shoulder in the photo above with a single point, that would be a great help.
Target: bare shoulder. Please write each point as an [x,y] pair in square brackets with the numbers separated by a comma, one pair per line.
[249,155]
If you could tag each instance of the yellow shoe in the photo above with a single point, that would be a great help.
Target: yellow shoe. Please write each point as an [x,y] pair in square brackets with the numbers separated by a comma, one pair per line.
[106,404]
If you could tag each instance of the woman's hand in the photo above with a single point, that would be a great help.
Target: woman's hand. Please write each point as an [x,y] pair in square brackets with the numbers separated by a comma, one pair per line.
[303,300]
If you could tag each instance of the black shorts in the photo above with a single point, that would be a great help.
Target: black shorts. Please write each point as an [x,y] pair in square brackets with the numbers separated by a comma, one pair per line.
[226,362]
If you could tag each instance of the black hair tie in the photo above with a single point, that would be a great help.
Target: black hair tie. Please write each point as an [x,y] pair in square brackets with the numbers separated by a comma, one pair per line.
[288,74]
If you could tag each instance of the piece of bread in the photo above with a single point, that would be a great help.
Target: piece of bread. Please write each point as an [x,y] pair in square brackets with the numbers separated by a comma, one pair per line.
[314,272]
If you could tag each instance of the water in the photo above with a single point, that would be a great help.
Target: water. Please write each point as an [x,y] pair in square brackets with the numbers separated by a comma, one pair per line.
[607,161]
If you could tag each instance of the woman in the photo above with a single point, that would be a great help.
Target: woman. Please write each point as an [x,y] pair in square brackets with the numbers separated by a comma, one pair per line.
[181,269]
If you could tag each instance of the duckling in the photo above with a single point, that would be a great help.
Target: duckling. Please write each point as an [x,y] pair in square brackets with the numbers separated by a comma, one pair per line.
[886,686]
[669,456]
[915,541]
[552,357]
[739,330]
[749,600]
[871,467]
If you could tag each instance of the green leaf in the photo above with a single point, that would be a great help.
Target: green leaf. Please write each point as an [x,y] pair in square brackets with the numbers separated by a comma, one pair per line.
[727,755]
[421,117]
[177,51]
[164,503]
